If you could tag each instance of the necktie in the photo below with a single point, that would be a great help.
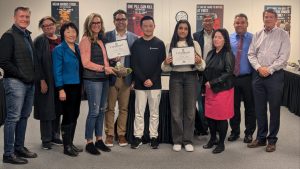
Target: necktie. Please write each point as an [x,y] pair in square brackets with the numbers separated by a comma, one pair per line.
[238,56]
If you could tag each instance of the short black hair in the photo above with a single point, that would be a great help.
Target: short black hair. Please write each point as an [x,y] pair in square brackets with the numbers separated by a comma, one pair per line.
[120,11]
[21,8]
[66,26]
[147,17]
[270,10]
[46,18]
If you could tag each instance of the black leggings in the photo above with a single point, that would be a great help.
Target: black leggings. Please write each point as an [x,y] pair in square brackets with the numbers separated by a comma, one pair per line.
[218,125]
[71,106]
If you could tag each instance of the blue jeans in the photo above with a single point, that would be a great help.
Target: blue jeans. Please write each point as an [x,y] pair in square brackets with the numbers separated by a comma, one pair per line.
[97,100]
[19,101]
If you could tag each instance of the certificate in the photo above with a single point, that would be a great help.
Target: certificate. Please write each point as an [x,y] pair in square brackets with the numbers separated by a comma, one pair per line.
[183,56]
[117,49]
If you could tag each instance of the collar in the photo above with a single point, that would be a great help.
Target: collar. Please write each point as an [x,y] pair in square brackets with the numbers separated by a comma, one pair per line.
[117,34]
[21,31]
[270,31]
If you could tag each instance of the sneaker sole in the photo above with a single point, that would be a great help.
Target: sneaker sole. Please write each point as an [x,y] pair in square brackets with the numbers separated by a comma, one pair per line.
[123,144]
[137,146]
[109,145]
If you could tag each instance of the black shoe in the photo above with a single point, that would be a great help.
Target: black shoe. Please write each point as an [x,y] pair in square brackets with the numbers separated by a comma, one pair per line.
[68,150]
[154,143]
[248,139]
[78,150]
[13,159]
[220,148]
[100,145]
[24,152]
[46,146]
[57,141]
[137,142]
[233,137]
[210,144]
[90,147]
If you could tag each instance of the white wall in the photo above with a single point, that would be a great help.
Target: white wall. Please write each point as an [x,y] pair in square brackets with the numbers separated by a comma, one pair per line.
[164,14]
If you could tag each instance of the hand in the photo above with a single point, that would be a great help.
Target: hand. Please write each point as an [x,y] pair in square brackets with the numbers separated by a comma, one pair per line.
[168,60]
[148,83]
[207,84]
[62,95]
[44,87]
[263,71]
[198,59]
[108,70]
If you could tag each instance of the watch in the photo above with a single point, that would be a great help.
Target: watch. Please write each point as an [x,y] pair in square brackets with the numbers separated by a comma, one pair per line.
[181,15]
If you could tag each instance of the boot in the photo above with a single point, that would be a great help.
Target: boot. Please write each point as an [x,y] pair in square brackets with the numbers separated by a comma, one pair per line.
[66,135]
[73,128]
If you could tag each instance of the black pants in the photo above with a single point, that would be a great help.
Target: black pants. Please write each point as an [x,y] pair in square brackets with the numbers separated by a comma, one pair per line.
[50,129]
[268,90]
[71,106]
[218,125]
[243,91]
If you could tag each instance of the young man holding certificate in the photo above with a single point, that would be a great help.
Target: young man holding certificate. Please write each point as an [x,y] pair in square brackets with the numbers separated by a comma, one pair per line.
[147,54]
[119,87]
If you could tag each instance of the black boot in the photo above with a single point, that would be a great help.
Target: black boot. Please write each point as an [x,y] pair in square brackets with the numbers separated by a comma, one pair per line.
[213,134]
[73,128]
[66,135]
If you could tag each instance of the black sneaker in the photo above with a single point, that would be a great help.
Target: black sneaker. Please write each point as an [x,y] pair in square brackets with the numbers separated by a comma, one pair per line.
[13,159]
[90,148]
[57,141]
[154,143]
[100,145]
[137,142]
[46,146]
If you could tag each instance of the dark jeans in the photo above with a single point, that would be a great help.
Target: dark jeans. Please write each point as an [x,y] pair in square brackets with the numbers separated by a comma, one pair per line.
[243,90]
[183,95]
[268,90]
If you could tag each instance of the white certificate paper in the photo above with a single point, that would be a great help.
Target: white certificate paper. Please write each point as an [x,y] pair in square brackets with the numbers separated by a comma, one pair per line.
[117,49]
[183,56]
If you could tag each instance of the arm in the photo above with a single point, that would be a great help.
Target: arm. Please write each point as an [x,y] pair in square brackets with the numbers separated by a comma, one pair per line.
[201,64]
[57,58]
[161,58]
[40,49]
[252,54]
[166,65]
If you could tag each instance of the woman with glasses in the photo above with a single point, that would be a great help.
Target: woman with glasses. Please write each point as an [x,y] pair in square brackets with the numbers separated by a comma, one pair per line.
[95,79]
[46,104]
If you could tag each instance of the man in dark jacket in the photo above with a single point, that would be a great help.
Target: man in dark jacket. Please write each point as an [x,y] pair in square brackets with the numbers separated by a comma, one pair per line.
[17,60]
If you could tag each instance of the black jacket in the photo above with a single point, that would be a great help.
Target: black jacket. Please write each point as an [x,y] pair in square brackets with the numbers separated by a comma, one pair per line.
[219,70]
[16,59]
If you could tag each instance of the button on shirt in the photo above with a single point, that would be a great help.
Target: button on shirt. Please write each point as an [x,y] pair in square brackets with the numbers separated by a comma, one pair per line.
[270,49]
[119,37]
[245,66]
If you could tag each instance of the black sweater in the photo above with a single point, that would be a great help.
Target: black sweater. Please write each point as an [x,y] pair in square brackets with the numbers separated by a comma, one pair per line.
[146,59]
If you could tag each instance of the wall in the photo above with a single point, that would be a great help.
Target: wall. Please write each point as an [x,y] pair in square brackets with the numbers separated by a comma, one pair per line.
[164,14]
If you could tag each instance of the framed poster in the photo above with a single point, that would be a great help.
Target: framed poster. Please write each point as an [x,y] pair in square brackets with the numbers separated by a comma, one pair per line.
[65,11]
[284,16]
[135,12]
[217,11]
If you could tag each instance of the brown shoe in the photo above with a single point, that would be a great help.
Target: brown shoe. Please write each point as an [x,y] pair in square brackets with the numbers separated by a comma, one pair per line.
[109,141]
[122,141]
[255,144]
[271,148]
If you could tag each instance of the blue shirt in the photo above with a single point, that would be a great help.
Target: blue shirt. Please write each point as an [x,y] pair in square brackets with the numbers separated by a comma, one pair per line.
[245,66]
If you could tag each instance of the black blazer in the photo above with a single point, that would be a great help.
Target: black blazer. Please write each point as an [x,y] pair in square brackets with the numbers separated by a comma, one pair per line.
[219,70]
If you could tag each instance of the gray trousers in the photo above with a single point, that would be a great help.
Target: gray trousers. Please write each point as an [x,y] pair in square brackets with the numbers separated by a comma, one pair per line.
[183,94]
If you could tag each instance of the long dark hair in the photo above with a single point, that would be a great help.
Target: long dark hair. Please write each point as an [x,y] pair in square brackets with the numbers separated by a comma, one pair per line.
[224,32]
[175,37]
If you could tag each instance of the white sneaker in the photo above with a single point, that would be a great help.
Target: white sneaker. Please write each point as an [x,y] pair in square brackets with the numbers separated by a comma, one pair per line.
[177,147]
[189,148]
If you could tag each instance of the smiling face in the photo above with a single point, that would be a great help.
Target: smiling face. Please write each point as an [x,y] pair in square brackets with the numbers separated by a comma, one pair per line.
[96,25]
[218,41]
[270,20]
[48,27]
[208,23]
[121,22]
[22,18]
[182,31]
[70,35]
[240,25]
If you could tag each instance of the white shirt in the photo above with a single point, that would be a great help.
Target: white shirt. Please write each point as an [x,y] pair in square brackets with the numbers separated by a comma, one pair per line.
[207,43]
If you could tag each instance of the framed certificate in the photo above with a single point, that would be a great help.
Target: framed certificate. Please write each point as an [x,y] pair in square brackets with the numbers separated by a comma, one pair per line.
[183,56]
[117,49]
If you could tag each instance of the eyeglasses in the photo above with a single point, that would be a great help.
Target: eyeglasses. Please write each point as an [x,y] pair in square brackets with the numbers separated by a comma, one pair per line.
[121,19]
[49,25]
[96,23]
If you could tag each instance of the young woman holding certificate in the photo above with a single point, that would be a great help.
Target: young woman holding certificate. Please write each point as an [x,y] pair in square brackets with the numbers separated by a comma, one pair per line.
[183,81]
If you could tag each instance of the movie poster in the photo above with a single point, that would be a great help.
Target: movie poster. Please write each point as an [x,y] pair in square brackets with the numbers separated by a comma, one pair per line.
[284,16]
[217,11]
[65,11]
[136,11]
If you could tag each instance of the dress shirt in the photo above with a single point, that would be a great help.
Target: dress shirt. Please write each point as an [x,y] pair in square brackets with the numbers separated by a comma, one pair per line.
[119,37]
[207,43]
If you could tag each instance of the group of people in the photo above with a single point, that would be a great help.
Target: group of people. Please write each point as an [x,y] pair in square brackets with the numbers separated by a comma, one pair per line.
[51,71]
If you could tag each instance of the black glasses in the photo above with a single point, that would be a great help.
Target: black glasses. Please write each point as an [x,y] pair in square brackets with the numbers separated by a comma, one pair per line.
[45,26]
[121,19]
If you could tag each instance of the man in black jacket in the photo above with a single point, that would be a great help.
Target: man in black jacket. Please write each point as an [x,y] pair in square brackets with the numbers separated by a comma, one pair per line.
[17,60]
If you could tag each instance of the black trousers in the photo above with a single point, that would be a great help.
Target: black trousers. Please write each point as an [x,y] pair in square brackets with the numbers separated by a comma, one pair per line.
[268,90]
[243,91]
[71,106]
[217,125]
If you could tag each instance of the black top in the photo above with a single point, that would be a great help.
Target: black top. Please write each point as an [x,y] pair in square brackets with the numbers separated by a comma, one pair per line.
[146,59]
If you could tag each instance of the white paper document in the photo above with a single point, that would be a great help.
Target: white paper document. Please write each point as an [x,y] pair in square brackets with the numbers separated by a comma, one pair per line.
[183,56]
[117,49]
